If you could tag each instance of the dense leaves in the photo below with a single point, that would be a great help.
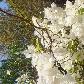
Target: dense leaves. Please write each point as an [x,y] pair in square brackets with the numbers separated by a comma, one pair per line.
[17,65]
[78,68]
[73,45]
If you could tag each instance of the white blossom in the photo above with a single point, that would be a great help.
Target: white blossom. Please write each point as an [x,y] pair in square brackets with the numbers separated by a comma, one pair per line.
[28,53]
[56,21]
[8,72]
[23,79]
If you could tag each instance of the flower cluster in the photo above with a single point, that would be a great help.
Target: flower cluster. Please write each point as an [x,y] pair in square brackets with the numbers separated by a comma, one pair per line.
[61,34]
[44,63]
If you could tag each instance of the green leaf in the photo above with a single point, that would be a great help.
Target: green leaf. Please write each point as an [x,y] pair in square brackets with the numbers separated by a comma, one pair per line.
[38,47]
[81,11]
[72,45]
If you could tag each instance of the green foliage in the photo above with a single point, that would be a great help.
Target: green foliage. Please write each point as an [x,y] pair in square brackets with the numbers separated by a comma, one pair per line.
[81,11]
[78,65]
[72,45]
[12,30]
[17,64]
[16,48]
[78,68]
[29,8]
[37,43]
[38,47]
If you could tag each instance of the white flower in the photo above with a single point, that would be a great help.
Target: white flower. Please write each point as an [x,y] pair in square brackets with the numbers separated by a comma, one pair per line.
[79,2]
[77,30]
[22,79]
[57,21]
[51,60]
[8,72]
[28,53]
[70,13]
[35,21]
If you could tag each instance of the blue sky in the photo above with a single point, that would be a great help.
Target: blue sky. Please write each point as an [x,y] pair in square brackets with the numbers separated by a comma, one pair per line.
[4,5]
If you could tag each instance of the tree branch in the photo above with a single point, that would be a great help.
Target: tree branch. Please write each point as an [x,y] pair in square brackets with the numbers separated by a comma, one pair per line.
[12,15]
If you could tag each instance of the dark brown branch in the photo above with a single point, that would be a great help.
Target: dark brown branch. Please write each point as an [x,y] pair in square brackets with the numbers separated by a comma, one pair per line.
[18,17]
